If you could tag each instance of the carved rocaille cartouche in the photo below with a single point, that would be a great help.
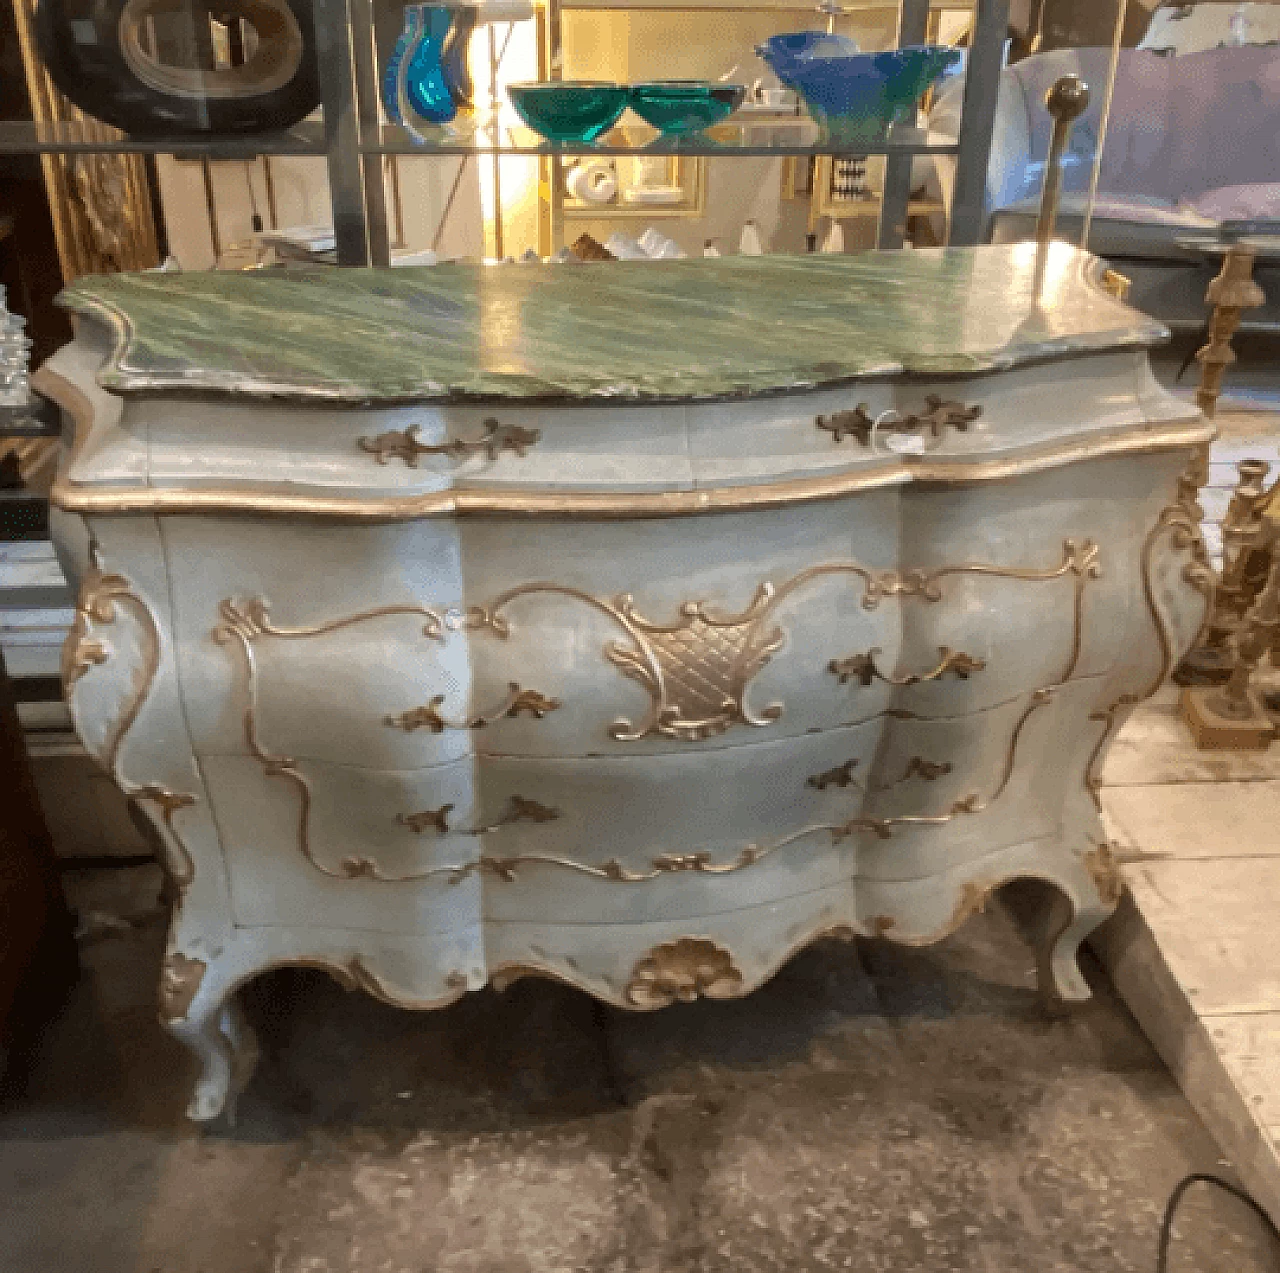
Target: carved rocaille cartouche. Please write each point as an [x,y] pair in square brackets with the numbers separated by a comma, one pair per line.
[585,639]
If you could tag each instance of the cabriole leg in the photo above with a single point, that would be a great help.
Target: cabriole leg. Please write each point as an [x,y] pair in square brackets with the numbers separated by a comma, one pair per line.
[1077,910]
[198,1006]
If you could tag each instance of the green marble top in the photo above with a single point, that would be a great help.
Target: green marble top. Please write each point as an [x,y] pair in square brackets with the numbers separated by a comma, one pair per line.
[647,331]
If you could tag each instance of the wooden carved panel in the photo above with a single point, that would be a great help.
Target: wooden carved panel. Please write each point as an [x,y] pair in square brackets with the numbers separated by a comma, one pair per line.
[100,204]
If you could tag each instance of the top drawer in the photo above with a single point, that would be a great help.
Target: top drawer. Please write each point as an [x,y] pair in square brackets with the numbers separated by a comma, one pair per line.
[390,453]
[962,420]
[405,451]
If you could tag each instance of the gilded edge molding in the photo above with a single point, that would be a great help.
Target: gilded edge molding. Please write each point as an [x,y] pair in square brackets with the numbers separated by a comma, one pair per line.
[245,622]
[1179,522]
[589,505]
[98,605]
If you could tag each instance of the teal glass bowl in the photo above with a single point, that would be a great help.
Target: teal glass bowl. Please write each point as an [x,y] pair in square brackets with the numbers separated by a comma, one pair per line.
[569,110]
[677,107]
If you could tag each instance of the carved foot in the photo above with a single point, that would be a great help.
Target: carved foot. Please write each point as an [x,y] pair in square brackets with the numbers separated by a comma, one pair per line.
[227,1049]
[207,1018]
[1058,963]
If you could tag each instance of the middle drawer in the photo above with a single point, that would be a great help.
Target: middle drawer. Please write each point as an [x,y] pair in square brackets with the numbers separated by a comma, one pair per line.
[626,839]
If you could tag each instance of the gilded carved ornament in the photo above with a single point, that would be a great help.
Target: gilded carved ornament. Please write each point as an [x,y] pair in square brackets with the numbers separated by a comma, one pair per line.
[1100,862]
[180,978]
[682,971]
[98,605]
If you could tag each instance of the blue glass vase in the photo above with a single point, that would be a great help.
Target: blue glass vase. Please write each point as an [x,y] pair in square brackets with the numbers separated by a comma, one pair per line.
[426,79]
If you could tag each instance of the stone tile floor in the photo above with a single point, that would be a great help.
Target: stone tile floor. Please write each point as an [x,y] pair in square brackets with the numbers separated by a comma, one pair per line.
[872,1108]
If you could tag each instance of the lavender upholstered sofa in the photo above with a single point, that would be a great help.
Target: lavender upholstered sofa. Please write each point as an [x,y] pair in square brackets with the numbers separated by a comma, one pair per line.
[1193,140]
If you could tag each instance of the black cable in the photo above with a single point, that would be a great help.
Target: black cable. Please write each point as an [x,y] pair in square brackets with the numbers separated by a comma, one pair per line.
[1171,1207]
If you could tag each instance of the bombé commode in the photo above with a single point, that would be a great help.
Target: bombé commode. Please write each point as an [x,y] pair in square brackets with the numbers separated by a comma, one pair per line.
[632,624]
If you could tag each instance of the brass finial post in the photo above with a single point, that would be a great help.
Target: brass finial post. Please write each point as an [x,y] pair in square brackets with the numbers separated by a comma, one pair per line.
[1066,101]
[1230,294]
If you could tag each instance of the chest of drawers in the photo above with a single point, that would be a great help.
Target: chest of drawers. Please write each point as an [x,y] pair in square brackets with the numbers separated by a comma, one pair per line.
[633,625]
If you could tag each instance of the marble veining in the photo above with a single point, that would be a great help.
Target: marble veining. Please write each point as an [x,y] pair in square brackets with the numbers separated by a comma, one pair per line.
[651,332]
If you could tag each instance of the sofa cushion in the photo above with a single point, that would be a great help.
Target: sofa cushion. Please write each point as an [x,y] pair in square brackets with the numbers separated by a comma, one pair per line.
[1255,202]
[1123,225]
[1179,125]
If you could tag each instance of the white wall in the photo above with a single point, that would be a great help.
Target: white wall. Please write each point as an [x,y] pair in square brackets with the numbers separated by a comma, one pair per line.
[302,198]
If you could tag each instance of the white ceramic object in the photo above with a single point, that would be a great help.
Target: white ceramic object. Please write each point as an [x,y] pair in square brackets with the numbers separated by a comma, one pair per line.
[709,680]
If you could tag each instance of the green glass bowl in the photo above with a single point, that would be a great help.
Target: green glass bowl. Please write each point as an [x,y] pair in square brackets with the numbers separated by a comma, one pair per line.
[676,107]
[569,110]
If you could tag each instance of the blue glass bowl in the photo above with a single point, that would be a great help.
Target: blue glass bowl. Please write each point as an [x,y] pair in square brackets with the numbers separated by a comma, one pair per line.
[792,48]
[857,97]
[569,110]
[677,107]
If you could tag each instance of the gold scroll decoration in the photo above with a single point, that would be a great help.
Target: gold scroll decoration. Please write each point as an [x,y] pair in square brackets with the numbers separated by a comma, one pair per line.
[98,606]
[661,657]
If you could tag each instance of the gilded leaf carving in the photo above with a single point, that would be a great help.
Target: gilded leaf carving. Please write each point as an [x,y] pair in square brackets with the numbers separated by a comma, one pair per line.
[682,971]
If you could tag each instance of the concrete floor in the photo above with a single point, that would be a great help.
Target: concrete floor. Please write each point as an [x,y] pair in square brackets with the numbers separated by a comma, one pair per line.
[872,1108]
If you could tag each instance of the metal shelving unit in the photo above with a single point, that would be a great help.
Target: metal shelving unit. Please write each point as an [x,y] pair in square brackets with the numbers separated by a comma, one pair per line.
[352,136]
[918,22]
[72,137]
[369,244]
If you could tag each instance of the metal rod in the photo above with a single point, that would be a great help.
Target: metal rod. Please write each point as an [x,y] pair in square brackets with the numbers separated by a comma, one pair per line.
[368,113]
[448,207]
[397,201]
[913,25]
[269,180]
[1121,14]
[341,132]
[981,91]
[498,245]
[211,207]
[1065,100]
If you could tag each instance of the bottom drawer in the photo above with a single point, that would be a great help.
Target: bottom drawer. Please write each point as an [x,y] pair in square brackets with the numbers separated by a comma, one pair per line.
[642,838]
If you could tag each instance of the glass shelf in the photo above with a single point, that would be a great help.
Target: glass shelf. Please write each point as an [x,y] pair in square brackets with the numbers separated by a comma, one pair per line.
[789,135]
[70,137]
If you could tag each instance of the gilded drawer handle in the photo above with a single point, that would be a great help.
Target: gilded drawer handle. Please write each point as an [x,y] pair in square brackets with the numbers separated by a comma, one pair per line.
[939,416]
[917,767]
[840,776]
[862,667]
[517,701]
[404,445]
[437,820]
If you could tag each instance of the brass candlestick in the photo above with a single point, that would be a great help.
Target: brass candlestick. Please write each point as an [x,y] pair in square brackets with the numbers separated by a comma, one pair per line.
[1233,717]
[1246,541]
